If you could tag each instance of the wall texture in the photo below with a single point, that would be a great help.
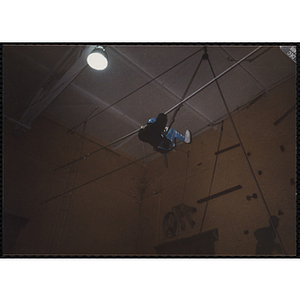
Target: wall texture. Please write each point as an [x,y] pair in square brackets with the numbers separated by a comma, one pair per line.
[190,176]
[100,217]
[122,213]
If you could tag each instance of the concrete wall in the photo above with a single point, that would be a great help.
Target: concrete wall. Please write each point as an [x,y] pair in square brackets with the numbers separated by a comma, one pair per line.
[122,213]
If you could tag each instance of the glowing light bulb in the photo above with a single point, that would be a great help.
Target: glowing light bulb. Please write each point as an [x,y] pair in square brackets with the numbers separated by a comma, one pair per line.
[97,60]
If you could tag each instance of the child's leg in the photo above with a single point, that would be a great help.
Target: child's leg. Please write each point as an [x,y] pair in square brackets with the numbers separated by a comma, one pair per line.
[173,134]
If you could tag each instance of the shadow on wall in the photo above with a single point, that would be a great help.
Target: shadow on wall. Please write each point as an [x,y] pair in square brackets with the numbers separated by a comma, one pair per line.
[13,224]
[199,244]
[266,236]
[177,216]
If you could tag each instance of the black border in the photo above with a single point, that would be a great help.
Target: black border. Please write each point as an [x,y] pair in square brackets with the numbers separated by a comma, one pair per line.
[155,44]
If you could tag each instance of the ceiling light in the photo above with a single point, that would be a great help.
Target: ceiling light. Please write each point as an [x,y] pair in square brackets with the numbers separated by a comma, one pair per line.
[97,59]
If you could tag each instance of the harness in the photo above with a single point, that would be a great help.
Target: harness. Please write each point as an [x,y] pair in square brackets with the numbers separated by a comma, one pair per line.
[162,146]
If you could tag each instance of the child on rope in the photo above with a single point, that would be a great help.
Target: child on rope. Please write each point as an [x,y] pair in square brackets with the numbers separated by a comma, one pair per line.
[161,137]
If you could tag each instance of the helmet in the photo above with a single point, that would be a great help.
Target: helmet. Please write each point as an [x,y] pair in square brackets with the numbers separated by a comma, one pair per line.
[152,120]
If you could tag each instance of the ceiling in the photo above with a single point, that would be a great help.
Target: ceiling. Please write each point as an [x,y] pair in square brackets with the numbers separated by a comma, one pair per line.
[140,82]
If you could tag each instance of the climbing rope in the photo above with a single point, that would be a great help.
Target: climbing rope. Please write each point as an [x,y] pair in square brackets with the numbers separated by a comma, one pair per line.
[171,109]
[247,159]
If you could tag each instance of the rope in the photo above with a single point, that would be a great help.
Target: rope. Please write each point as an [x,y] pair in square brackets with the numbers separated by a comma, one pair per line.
[171,109]
[118,101]
[93,180]
[184,94]
[248,162]
[124,137]
[60,205]
[213,80]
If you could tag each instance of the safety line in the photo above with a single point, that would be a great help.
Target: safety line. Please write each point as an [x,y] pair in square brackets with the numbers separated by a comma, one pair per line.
[171,109]
[247,159]
[213,80]
[118,101]
[184,94]
[192,79]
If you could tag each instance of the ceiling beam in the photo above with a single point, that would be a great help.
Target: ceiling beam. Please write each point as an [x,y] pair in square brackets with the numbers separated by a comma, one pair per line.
[56,83]
[112,110]
[124,58]
[265,89]
[84,92]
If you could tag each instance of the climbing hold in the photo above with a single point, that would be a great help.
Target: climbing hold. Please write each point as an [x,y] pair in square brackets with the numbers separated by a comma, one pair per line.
[280,213]
[253,196]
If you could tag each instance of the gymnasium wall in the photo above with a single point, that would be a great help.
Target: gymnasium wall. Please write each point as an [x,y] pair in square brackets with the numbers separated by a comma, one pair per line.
[123,212]
[267,131]
[101,217]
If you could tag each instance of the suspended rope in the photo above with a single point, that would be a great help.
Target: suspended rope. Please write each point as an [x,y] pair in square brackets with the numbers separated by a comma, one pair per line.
[93,180]
[171,109]
[184,94]
[94,114]
[247,159]
[213,80]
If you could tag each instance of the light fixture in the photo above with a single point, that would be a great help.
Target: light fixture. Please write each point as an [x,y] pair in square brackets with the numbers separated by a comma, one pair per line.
[97,59]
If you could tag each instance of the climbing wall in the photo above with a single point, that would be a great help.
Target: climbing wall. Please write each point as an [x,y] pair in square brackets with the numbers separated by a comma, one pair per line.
[213,176]
[99,218]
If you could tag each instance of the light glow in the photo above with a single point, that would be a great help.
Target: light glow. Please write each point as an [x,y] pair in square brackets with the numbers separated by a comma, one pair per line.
[97,61]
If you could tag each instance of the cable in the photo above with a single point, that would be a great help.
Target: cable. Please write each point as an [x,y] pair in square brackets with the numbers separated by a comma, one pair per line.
[193,77]
[151,154]
[62,198]
[109,173]
[247,159]
[213,80]
[171,109]
[104,147]
[73,181]
[143,85]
